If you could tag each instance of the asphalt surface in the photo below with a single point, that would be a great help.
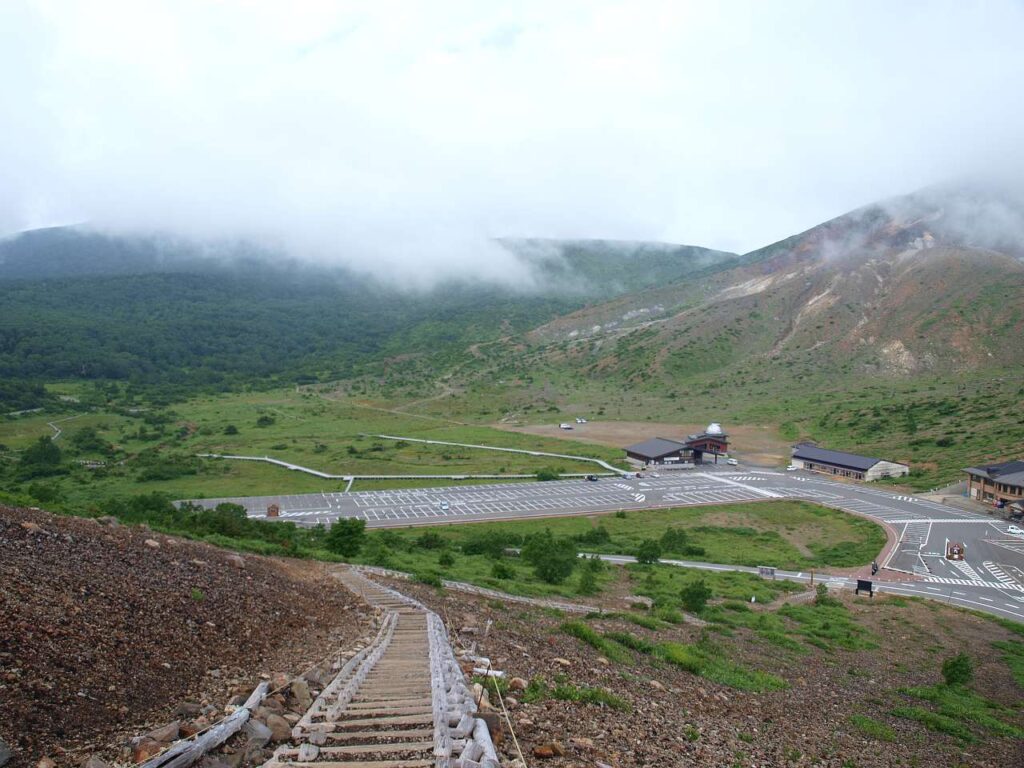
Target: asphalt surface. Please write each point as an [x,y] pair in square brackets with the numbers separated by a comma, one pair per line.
[990,578]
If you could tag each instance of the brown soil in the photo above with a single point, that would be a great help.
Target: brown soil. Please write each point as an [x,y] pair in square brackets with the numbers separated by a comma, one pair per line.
[681,719]
[102,635]
[751,444]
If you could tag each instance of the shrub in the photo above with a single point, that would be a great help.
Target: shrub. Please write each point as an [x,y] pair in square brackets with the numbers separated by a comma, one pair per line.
[553,559]
[446,560]
[429,578]
[648,552]
[266,420]
[545,475]
[230,429]
[430,540]
[958,670]
[695,595]
[490,543]
[677,541]
[502,570]
[588,582]
[821,596]
[346,536]
[598,535]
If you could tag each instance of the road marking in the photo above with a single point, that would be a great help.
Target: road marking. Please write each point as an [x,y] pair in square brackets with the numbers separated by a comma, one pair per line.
[755,489]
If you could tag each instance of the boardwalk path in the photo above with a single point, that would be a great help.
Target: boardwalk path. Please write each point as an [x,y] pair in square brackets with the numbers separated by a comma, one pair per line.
[401,702]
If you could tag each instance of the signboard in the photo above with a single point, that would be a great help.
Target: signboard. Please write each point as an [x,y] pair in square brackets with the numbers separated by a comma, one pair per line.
[865,585]
[766,572]
[955,550]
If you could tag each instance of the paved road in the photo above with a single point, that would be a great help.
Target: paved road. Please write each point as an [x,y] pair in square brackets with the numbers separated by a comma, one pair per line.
[991,578]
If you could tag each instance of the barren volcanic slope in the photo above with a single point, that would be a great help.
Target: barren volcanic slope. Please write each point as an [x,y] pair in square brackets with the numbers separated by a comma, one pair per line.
[102,633]
[921,283]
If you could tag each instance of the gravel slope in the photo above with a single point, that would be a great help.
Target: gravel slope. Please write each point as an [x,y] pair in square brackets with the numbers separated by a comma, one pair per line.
[102,633]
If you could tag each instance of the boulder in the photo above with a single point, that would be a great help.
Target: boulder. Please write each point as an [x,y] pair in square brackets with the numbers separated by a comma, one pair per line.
[517,684]
[236,561]
[563,662]
[279,728]
[94,761]
[511,702]
[188,709]
[550,749]
[657,686]
[494,725]
[256,733]
[300,692]
[46,762]
[32,528]
[108,520]
[144,749]
[167,732]
[582,743]
[152,543]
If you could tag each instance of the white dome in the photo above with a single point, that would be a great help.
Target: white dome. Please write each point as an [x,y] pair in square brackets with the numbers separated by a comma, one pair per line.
[714,428]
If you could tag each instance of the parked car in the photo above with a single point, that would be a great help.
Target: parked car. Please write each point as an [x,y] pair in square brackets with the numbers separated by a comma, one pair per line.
[1015,530]
[592,478]
[792,468]
[444,505]
[732,462]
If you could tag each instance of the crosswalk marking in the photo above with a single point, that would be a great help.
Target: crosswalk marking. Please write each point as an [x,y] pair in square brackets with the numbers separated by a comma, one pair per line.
[973,583]
[966,569]
[999,573]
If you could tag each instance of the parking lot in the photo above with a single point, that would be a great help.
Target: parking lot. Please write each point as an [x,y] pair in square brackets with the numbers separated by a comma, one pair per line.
[991,576]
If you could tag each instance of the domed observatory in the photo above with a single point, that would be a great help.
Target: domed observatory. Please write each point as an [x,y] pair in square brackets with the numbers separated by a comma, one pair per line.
[713,441]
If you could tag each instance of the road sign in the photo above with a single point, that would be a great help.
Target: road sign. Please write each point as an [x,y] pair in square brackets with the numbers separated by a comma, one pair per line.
[766,571]
[867,586]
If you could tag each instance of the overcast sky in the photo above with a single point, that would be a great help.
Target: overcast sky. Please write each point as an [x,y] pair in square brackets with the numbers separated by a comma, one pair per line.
[407,134]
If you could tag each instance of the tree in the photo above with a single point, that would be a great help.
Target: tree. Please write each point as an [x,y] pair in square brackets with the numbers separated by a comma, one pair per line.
[695,595]
[346,536]
[41,458]
[553,559]
[230,429]
[648,552]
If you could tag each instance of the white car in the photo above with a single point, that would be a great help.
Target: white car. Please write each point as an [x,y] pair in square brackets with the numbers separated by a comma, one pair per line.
[1015,530]
[444,505]
[792,468]
[732,462]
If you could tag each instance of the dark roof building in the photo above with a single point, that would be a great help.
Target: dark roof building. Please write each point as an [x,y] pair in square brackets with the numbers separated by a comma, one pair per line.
[843,464]
[996,482]
[657,449]
[662,450]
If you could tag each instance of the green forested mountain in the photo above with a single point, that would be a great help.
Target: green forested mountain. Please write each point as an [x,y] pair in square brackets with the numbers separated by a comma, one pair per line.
[77,304]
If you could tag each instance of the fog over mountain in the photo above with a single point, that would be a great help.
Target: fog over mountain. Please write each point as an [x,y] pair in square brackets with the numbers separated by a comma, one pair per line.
[404,140]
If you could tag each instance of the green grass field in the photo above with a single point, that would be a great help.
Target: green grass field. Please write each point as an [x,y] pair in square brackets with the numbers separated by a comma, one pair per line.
[296,426]
[786,534]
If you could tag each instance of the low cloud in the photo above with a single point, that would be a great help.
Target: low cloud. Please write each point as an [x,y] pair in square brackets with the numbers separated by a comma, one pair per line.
[401,139]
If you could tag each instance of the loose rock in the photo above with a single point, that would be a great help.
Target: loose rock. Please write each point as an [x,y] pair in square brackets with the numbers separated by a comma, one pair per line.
[279,728]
